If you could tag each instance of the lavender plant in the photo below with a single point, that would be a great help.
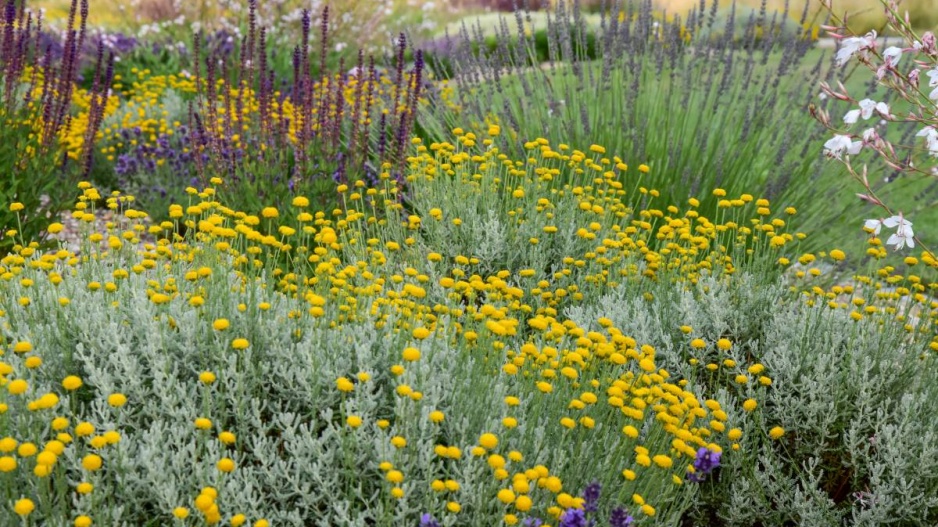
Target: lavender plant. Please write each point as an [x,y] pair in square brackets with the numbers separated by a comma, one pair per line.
[679,94]
[37,88]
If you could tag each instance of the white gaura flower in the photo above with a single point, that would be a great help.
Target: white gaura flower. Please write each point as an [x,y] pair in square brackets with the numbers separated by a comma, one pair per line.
[867,107]
[931,139]
[892,55]
[836,146]
[903,236]
[873,225]
[849,46]
[933,83]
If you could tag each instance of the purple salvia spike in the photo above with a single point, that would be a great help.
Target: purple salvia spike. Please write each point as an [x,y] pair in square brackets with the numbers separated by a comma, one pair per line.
[399,80]
[339,101]
[324,31]
[304,50]
[9,19]
[356,108]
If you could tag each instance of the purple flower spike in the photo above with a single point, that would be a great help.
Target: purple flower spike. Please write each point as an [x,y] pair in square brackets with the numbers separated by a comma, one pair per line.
[591,496]
[707,460]
[620,518]
[427,520]
[573,518]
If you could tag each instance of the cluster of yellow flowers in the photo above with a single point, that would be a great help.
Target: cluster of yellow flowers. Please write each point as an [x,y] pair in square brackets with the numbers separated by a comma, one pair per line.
[374,261]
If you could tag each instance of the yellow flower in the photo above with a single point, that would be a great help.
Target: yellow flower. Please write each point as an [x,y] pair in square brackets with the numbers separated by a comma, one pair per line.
[663,461]
[71,383]
[16,207]
[220,324]
[22,347]
[240,344]
[398,442]
[84,429]
[344,385]
[353,421]
[411,354]
[838,255]
[421,333]
[269,212]
[23,507]
[207,377]
[776,432]
[750,405]
[181,512]
[17,387]
[225,464]
[488,441]
[7,464]
[91,462]
[203,423]
[300,201]
[437,416]
[506,496]
[117,400]
[83,521]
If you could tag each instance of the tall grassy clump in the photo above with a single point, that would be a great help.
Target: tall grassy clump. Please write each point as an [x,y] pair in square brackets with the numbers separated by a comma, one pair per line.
[704,105]
[39,151]
[271,137]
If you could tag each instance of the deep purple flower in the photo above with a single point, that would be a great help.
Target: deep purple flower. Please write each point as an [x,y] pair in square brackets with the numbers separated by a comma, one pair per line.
[531,522]
[573,518]
[707,460]
[620,518]
[591,496]
[427,520]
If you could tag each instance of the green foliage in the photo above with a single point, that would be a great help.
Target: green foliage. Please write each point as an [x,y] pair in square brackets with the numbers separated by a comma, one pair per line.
[679,95]
[39,182]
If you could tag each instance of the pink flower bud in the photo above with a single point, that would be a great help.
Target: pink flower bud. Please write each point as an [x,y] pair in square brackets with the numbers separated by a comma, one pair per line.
[928,43]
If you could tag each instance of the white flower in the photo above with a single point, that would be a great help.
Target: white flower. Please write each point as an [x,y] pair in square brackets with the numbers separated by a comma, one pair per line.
[903,235]
[931,139]
[873,225]
[835,147]
[869,134]
[892,55]
[867,106]
[849,46]
[933,76]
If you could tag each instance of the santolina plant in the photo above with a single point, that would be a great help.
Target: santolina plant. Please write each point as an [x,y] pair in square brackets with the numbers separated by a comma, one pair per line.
[361,366]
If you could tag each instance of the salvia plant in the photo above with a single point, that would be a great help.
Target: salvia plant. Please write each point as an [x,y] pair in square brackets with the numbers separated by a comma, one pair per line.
[271,137]
[705,105]
[38,116]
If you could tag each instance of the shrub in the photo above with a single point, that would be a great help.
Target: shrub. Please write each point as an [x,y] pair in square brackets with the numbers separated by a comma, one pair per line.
[39,147]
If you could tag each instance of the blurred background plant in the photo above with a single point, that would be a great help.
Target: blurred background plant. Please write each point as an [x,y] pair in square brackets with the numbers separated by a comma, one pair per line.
[48,126]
